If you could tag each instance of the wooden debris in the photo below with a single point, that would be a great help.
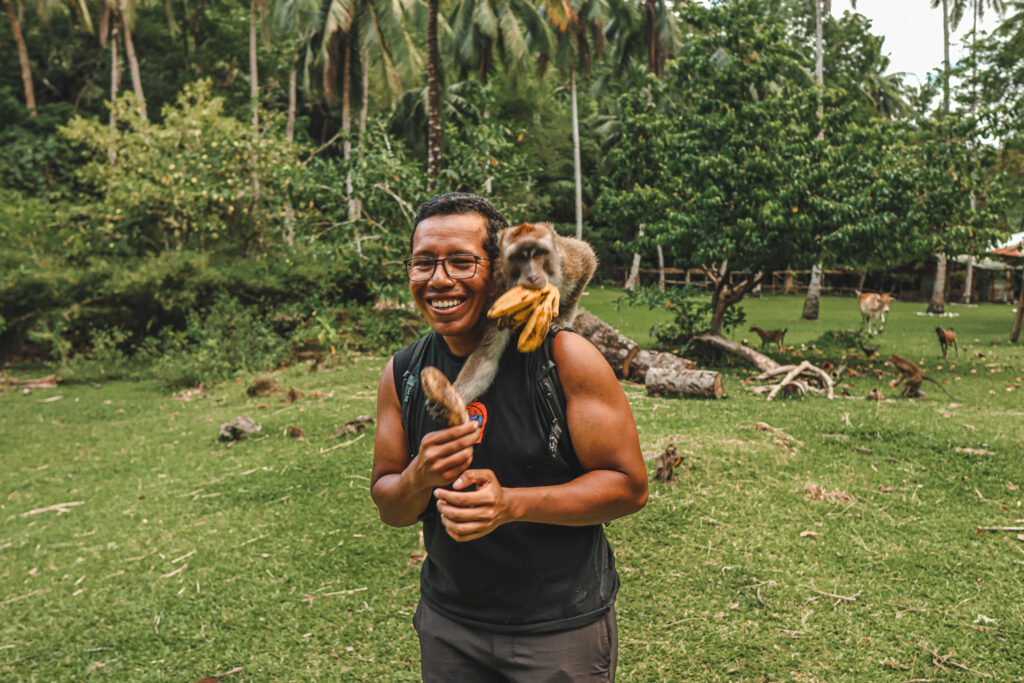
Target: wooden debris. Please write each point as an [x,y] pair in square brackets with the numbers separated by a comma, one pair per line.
[238,428]
[59,508]
[353,426]
[662,373]
[816,492]
[262,386]
[1001,528]
[48,382]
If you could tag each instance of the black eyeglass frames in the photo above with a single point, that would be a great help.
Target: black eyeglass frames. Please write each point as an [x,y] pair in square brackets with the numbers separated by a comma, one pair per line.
[457,266]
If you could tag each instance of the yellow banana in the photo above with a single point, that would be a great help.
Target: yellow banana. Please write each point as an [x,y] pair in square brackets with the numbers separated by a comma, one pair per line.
[535,330]
[514,301]
[554,299]
[520,318]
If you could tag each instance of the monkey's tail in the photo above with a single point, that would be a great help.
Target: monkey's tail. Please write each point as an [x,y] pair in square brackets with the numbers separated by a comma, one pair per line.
[939,385]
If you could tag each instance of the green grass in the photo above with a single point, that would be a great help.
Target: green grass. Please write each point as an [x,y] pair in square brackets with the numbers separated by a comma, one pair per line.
[290,575]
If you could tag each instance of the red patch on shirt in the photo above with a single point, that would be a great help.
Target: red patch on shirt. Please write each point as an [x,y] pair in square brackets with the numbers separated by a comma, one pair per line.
[478,413]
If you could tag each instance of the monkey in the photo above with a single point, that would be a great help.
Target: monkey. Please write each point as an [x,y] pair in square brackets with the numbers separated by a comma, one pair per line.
[770,336]
[667,462]
[531,255]
[947,338]
[914,377]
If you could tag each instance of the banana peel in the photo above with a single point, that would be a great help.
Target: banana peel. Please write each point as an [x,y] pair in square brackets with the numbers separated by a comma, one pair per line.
[532,308]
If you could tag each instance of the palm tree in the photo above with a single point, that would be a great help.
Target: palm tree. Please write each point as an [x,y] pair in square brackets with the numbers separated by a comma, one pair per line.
[506,29]
[16,18]
[650,29]
[951,17]
[26,66]
[433,97]
[813,300]
[578,32]
[124,13]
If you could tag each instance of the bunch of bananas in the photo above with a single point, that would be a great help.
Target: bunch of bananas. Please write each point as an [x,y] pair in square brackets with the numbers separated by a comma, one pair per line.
[533,307]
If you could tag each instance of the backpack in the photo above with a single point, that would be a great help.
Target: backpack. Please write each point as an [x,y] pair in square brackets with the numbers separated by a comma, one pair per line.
[550,397]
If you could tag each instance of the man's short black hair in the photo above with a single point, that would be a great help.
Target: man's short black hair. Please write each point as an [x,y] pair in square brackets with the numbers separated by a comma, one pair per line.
[463,202]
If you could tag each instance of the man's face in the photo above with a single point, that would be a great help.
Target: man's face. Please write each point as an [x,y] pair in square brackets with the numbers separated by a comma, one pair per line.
[452,307]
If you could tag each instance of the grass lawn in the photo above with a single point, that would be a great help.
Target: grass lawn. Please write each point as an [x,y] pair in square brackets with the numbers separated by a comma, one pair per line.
[844,548]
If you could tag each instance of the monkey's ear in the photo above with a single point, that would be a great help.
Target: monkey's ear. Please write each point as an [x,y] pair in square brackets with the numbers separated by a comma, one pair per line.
[503,237]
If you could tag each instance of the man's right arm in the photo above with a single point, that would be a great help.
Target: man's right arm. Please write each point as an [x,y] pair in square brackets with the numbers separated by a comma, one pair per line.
[401,487]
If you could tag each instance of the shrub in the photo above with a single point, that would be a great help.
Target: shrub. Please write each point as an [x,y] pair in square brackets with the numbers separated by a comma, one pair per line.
[692,310]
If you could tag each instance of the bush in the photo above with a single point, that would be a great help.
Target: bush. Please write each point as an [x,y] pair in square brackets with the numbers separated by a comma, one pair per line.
[692,310]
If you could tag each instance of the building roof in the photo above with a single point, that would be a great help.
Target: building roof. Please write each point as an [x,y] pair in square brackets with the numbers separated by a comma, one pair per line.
[1013,247]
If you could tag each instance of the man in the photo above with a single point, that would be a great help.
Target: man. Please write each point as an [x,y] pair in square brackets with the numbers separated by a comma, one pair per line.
[519,582]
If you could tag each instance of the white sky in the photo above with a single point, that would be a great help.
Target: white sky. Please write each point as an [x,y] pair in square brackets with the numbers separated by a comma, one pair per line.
[913,33]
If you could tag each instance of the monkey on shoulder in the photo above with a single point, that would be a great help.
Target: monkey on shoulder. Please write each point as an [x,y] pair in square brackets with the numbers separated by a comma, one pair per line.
[530,255]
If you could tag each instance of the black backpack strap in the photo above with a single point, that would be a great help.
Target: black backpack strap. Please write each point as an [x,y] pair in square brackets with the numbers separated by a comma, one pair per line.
[410,378]
[551,399]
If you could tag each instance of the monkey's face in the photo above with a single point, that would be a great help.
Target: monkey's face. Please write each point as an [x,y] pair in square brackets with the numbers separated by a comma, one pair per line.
[452,306]
[528,255]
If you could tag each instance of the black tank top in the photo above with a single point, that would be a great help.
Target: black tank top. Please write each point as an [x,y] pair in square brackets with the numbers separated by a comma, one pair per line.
[523,577]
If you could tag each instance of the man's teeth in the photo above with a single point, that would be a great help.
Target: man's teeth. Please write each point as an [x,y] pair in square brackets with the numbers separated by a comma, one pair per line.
[447,303]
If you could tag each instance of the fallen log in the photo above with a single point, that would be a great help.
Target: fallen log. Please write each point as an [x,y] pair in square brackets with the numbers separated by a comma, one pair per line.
[662,373]
[796,376]
[666,382]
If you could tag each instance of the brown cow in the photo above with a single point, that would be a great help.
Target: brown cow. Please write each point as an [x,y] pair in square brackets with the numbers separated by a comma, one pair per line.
[874,307]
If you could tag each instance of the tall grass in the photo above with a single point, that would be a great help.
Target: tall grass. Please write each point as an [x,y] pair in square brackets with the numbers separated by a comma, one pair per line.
[843,547]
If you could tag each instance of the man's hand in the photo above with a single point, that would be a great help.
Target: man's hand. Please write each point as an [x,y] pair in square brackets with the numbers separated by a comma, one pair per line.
[468,515]
[444,455]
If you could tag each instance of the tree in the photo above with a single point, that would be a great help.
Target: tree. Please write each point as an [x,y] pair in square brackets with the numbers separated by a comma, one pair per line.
[506,29]
[720,162]
[646,33]
[951,16]
[579,36]
[26,66]
[16,17]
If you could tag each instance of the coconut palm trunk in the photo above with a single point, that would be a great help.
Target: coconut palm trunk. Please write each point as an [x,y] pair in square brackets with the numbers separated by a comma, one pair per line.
[433,97]
[115,87]
[813,300]
[26,66]
[576,163]
[293,99]
[254,78]
[133,62]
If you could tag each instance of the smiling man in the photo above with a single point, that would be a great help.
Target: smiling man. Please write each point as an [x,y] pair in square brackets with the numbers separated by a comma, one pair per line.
[519,582]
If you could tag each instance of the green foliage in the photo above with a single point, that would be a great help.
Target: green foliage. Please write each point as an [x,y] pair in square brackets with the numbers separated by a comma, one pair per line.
[198,179]
[690,311]
[216,344]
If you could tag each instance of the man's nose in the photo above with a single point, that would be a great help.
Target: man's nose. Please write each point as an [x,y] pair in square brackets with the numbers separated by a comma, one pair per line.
[441,278]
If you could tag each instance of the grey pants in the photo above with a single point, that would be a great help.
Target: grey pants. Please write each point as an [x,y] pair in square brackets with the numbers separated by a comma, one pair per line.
[450,651]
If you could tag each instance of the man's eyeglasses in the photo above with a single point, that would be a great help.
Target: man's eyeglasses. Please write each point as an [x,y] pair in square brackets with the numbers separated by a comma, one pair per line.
[457,266]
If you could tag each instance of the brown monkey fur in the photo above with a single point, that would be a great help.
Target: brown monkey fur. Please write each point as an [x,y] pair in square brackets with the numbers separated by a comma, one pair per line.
[530,255]
[913,376]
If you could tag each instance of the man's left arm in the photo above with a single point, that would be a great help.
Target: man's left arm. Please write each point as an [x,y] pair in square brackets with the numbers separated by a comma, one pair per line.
[604,436]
